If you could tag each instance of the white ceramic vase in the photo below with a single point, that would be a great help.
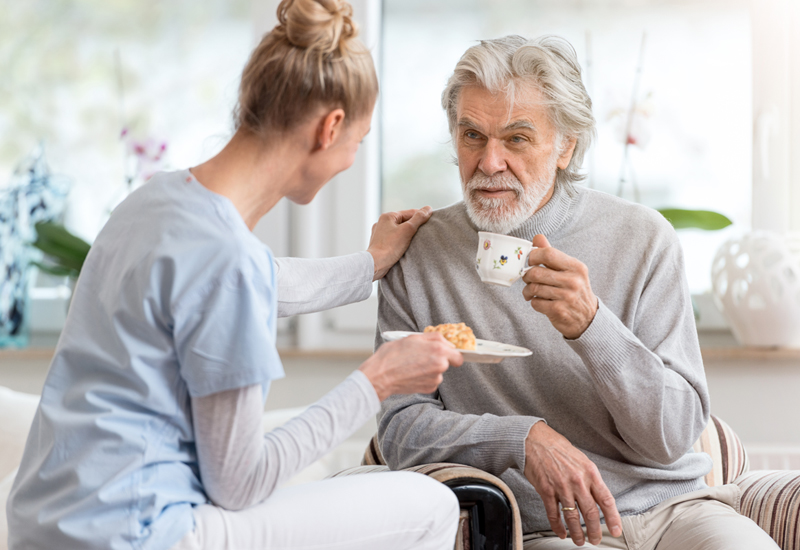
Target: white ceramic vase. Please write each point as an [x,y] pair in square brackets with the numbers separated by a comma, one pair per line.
[756,284]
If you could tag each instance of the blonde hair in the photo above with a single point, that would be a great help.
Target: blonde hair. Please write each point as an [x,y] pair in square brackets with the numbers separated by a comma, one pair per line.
[311,59]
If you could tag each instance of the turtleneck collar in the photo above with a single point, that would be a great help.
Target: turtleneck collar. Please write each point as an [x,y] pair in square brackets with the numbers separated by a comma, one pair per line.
[549,218]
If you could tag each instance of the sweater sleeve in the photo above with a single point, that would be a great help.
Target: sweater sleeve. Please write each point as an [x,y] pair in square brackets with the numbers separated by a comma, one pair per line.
[241,466]
[307,286]
[416,429]
[650,376]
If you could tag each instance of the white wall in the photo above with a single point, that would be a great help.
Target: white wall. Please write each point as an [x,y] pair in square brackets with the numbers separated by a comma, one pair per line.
[757,398]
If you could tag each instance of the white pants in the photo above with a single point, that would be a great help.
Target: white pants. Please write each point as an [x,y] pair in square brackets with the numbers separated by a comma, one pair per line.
[387,511]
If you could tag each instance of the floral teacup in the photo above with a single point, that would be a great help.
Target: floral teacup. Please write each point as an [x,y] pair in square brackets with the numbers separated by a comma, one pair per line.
[501,259]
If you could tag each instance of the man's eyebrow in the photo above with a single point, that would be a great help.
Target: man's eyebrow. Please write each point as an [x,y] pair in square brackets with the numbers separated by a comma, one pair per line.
[516,125]
[520,124]
[467,123]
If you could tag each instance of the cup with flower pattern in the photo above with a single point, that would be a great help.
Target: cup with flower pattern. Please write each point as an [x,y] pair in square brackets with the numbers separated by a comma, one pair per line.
[501,259]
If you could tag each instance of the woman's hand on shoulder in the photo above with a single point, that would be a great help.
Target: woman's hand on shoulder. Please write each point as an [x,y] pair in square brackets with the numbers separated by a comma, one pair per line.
[392,235]
[415,364]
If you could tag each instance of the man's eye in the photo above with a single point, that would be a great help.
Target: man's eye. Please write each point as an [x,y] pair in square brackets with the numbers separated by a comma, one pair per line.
[517,139]
[471,135]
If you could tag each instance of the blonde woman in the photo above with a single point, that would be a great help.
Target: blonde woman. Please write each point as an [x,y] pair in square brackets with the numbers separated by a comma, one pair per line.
[148,434]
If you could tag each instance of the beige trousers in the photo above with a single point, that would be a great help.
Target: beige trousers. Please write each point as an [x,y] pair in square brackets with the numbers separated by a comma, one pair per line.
[703,520]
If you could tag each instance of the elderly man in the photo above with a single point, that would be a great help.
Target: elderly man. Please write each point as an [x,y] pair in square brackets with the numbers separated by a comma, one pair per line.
[595,429]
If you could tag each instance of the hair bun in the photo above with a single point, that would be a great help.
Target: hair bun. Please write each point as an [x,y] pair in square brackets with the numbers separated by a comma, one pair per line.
[322,25]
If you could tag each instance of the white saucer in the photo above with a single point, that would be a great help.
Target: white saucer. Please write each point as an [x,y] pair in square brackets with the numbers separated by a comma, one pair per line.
[485,351]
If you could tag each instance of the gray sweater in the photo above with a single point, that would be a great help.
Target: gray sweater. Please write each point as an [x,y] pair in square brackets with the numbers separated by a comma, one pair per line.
[630,392]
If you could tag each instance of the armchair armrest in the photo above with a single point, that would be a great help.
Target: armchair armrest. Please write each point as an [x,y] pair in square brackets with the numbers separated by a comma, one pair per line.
[490,515]
[487,513]
[772,500]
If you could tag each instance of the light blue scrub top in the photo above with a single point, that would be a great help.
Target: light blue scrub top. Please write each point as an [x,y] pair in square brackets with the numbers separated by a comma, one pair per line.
[176,300]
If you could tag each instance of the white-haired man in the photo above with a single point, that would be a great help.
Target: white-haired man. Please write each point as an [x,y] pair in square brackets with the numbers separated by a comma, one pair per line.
[595,429]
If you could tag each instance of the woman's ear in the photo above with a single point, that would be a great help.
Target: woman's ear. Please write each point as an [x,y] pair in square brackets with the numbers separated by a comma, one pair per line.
[329,128]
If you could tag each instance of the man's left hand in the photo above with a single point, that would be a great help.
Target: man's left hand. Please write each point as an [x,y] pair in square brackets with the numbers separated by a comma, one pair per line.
[558,286]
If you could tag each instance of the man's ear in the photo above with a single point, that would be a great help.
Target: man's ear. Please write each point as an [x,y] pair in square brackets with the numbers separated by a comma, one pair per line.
[329,129]
[567,148]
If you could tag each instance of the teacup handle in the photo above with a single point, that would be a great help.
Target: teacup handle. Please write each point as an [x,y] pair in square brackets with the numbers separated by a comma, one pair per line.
[526,267]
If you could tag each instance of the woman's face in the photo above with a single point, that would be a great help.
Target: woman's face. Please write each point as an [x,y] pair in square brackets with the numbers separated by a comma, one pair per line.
[325,163]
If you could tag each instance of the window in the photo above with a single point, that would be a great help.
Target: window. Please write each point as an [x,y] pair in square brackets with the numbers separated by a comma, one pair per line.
[692,125]
[142,74]
[79,75]
[141,86]
[717,86]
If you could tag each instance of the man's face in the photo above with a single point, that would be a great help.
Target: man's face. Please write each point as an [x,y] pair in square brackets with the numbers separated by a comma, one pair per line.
[507,163]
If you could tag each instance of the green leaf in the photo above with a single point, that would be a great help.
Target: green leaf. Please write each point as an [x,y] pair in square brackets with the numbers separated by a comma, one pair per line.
[695,219]
[60,255]
[61,247]
[60,235]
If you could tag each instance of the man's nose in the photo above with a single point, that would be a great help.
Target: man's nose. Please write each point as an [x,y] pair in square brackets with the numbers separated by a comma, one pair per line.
[493,159]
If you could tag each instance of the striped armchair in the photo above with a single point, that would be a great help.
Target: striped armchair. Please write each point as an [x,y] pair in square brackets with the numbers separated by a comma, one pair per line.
[490,517]
[770,498]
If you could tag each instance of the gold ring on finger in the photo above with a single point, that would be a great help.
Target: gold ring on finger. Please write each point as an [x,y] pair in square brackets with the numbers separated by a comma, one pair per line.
[568,508]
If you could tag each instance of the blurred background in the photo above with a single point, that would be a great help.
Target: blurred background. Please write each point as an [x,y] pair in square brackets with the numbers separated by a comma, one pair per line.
[690,144]
[117,89]
[695,102]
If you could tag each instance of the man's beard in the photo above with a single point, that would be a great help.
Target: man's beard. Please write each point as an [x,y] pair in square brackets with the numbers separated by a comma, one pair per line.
[501,215]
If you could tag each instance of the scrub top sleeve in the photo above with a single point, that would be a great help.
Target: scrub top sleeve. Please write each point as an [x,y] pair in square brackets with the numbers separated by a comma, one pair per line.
[225,336]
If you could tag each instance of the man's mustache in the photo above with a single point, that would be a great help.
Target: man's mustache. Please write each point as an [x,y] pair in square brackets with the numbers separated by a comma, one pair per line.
[506,182]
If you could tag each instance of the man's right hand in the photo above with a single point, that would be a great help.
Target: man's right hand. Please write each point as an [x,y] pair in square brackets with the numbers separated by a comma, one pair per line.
[414,364]
[564,477]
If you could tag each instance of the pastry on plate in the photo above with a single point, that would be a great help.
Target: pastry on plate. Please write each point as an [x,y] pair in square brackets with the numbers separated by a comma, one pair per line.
[458,334]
